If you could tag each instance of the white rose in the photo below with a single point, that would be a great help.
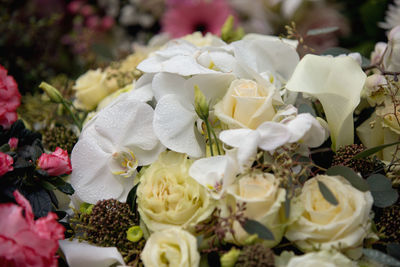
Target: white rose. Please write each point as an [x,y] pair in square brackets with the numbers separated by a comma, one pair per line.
[264,199]
[171,247]
[246,104]
[167,196]
[90,89]
[325,226]
[314,259]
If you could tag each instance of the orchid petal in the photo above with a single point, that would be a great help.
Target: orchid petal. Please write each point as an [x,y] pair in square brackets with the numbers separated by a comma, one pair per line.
[235,137]
[168,83]
[337,83]
[214,86]
[272,135]
[174,124]
[128,123]
[81,254]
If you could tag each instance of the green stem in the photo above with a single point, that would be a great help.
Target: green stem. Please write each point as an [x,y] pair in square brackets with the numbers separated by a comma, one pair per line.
[216,140]
[209,136]
[77,122]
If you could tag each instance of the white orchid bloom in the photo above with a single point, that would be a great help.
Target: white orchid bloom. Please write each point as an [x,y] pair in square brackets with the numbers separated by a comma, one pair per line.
[216,173]
[112,145]
[268,136]
[183,58]
[82,254]
[175,117]
[337,83]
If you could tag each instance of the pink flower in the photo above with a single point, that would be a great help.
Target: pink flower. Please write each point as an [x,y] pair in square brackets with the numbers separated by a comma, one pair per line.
[185,17]
[24,241]
[56,163]
[6,162]
[9,99]
[13,143]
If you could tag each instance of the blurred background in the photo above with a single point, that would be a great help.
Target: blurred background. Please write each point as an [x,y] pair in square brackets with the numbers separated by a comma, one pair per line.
[58,40]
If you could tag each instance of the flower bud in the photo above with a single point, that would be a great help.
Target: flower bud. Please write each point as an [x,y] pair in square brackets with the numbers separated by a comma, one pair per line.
[134,234]
[52,92]
[200,104]
[229,259]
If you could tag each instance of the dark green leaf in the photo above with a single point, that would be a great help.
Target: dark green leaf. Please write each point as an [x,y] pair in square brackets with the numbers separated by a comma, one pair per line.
[350,176]
[253,227]
[40,202]
[373,150]
[199,240]
[61,185]
[381,189]
[4,148]
[66,189]
[304,108]
[393,249]
[327,194]
[380,257]
[48,185]
[60,214]
[319,31]
[131,198]
[336,51]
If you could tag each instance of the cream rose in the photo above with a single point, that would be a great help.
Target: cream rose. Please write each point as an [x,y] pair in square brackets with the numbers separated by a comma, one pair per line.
[264,199]
[246,104]
[314,259]
[171,247]
[167,196]
[90,89]
[325,226]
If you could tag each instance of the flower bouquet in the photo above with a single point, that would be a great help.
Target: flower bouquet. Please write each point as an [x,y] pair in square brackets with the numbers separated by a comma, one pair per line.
[213,153]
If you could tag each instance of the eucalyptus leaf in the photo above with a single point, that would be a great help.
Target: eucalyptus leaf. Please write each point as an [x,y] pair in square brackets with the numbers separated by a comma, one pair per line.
[319,31]
[350,175]
[373,150]
[287,205]
[382,192]
[66,189]
[393,249]
[304,108]
[380,257]
[131,198]
[253,227]
[327,193]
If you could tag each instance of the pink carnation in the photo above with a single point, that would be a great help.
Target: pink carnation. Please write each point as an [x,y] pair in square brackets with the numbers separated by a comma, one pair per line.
[9,99]
[24,241]
[56,163]
[6,162]
[185,17]
[13,143]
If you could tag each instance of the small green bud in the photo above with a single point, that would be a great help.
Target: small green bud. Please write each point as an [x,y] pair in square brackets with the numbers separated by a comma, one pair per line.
[86,208]
[134,233]
[200,103]
[228,33]
[52,92]
[229,259]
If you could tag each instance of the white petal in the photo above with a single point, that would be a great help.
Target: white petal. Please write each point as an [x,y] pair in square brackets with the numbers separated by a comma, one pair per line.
[146,157]
[337,83]
[82,254]
[247,150]
[173,123]
[168,83]
[234,138]
[299,126]
[128,123]
[91,177]
[306,128]
[272,135]
[184,65]
[151,64]
[214,86]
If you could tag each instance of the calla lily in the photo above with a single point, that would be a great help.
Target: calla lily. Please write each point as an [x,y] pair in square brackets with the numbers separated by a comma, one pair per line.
[337,84]
[175,117]
[82,254]
[112,145]
[216,173]
[268,136]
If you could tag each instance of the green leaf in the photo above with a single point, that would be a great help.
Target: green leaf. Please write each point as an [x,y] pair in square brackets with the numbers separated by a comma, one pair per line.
[66,189]
[327,193]
[373,150]
[380,257]
[304,108]
[382,192]
[4,148]
[319,31]
[287,205]
[350,175]
[253,227]
[393,249]
[131,198]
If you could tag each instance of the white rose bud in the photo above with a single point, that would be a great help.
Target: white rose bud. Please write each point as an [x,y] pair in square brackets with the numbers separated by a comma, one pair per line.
[171,247]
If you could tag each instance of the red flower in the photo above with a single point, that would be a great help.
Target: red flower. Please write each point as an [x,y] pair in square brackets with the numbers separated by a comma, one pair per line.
[24,241]
[9,99]
[56,163]
[185,17]
[13,143]
[6,162]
